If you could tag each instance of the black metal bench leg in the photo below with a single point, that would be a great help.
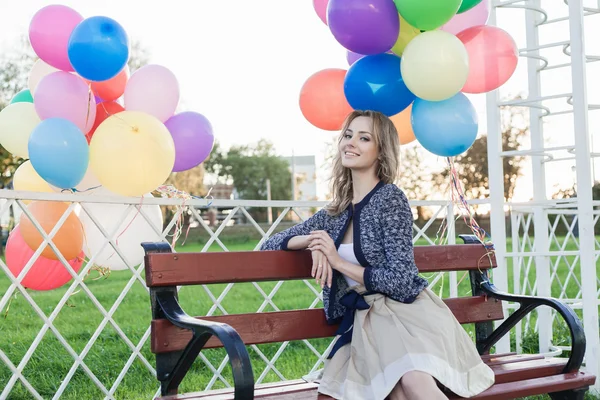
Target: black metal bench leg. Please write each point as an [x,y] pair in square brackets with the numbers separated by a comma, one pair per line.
[576,394]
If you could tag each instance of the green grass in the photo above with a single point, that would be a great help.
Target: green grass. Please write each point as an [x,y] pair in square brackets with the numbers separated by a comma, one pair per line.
[79,319]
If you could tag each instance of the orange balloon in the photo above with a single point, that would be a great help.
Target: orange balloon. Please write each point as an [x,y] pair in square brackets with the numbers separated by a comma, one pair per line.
[68,239]
[103,111]
[113,88]
[322,99]
[404,126]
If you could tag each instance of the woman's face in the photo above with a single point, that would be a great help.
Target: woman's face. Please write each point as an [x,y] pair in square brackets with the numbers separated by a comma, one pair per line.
[357,147]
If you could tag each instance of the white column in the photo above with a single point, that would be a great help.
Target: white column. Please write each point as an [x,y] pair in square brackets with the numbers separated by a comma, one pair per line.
[584,189]
[540,217]
[496,179]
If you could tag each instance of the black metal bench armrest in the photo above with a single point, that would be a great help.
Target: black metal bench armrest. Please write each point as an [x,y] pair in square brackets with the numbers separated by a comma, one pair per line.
[528,304]
[202,331]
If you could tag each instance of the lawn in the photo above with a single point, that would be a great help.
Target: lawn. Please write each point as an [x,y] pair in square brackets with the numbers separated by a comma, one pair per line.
[79,319]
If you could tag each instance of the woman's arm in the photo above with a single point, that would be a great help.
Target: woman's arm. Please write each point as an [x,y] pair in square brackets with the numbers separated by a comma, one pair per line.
[296,237]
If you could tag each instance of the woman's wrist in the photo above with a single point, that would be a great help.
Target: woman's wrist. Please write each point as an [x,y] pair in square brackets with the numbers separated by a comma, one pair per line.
[299,242]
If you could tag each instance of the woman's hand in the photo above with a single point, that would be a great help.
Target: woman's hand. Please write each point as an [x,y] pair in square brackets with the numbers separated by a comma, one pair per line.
[321,270]
[321,241]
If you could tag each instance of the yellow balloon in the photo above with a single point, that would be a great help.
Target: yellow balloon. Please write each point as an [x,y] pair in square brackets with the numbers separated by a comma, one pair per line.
[407,33]
[17,121]
[132,153]
[435,65]
[28,180]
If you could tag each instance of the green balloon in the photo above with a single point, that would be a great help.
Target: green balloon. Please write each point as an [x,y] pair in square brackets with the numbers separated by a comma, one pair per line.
[24,96]
[467,5]
[427,15]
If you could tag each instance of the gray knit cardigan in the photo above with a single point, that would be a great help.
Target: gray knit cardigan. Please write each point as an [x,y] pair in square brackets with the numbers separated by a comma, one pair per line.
[382,238]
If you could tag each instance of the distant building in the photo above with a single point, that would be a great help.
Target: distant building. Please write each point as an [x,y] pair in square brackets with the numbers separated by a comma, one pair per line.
[304,180]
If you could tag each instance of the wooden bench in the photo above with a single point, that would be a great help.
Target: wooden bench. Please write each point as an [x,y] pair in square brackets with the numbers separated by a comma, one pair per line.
[177,338]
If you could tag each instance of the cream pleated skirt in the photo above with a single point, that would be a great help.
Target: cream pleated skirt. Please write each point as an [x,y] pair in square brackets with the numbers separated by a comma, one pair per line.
[393,338]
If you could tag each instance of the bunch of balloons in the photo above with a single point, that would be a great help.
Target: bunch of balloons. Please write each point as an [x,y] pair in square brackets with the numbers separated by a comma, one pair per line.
[87,125]
[412,60]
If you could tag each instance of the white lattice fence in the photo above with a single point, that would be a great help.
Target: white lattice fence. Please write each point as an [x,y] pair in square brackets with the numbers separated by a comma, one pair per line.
[90,338]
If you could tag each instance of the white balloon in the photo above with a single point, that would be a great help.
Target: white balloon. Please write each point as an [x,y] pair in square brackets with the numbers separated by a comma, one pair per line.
[132,231]
[38,72]
[88,185]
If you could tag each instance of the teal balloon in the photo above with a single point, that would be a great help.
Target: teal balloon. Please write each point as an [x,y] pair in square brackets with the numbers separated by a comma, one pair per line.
[59,152]
[466,5]
[24,96]
[445,128]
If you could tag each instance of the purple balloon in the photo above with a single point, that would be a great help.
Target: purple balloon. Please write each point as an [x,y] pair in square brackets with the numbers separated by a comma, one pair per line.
[193,137]
[353,57]
[364,26]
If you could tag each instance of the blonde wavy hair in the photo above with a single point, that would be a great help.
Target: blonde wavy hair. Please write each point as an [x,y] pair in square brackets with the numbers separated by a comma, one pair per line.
[388,146]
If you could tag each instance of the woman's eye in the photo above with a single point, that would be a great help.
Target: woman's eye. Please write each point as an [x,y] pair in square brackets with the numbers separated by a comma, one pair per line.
[365,139]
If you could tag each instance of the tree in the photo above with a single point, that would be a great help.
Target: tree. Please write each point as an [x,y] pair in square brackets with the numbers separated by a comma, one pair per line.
[472,166]
[249,167]
[415,178]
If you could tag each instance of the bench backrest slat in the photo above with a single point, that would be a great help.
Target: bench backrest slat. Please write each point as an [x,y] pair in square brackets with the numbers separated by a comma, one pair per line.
[260,328]
[177,269]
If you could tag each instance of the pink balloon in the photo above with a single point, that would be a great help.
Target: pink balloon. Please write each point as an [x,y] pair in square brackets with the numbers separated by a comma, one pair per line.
[493,57]
[152,89]
[477,15]
[321,9]
[64,95]
[45,274]
[49,33]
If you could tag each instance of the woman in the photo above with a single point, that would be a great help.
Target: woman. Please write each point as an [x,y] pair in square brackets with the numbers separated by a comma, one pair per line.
[396,338]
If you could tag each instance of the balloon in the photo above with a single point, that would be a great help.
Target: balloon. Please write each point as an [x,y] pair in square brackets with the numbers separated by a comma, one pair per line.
[27,179]
[68,239]
[435,65]
[88,185]
[427,15]
[39,70]
[132,153]
[24,96]
[154,90]
[320,7]
[403,125]
[475,16]
[493,57]
[128,232]
[322,99]
[375,83]
[466,5]
[103,111]
[353,57]
[64,95]
[193,137]
[45,273]
[59,152]
[364,26]
[407,33]
[49,33]
[98,48]
[111,89]
[17,121]
[446,128]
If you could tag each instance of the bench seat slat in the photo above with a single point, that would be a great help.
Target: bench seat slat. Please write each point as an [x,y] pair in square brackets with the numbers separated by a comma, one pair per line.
[281,326]
[177,269]
[536,381]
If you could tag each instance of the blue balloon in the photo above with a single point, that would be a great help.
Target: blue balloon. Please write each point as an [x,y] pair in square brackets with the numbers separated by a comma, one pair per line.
[375,83]
[98,48]
[446,128]
[59,152]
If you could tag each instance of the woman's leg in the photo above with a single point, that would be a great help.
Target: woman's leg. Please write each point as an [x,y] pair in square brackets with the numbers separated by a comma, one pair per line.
[398,393]
[419,385]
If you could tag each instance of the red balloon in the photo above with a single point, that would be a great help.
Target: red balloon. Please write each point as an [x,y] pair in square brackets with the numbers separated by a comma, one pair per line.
[103,111]
[322,99]
[45,274]
[493,57]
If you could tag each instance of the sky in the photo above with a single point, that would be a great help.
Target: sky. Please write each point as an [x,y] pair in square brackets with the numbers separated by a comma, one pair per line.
[242,63]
